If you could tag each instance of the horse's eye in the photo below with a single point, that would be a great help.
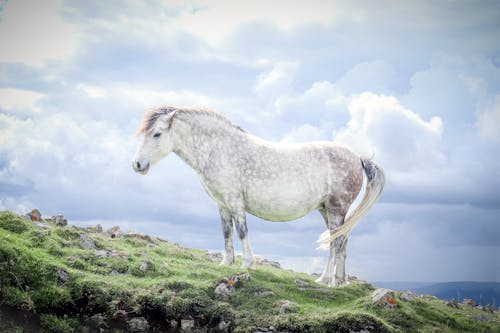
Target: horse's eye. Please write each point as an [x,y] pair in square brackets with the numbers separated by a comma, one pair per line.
[156,135]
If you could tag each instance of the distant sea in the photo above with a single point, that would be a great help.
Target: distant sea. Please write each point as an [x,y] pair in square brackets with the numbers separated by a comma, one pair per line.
[481,292]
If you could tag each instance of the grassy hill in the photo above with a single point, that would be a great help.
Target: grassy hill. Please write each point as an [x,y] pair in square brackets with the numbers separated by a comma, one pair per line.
[69,279]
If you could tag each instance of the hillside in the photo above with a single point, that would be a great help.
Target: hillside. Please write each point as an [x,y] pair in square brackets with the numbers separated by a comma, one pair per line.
[57,278]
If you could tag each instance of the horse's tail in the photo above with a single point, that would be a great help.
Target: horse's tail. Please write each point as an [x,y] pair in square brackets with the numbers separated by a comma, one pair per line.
[374,185]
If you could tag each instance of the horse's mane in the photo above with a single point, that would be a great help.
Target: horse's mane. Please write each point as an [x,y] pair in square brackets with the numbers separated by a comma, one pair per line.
[152,115]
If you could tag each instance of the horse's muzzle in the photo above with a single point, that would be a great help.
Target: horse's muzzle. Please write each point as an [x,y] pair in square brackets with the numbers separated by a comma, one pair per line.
[139,168]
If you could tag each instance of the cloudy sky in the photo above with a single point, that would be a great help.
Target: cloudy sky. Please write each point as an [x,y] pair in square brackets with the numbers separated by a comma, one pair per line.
[416,84]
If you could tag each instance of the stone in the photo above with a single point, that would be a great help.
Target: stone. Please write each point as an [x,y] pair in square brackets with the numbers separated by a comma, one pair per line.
[481,318]
[187,325]
[41,225]
[264,293]
[34,215]
[62,275]
[102,253]
[408,295]
[152,245]
[133,234]
[138,324]
[222,291]
[452,303]
[214,256]
[469,302]
[489,308]
[384,297]
[300,282]
[224,325]
[87,241]
[114,232]
[58,220]
[267,262]
[284,306]
[144,266]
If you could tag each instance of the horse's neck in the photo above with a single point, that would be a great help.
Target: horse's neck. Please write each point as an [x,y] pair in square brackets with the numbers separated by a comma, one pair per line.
[196,142]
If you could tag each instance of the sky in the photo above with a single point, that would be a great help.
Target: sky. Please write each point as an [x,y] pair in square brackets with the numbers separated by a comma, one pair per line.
[416,85]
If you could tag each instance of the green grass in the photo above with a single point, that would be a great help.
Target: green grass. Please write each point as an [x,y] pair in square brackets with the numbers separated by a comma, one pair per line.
[178,283]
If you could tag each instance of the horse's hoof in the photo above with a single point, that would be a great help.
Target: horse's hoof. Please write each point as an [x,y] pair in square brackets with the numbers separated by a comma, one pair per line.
[340,283]
[250,264]
[227,261]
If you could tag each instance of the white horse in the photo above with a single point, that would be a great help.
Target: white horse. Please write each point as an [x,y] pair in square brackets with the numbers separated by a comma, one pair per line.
[273,181]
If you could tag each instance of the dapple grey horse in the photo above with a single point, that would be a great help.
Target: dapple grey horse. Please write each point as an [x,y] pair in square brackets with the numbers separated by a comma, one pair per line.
[274,181]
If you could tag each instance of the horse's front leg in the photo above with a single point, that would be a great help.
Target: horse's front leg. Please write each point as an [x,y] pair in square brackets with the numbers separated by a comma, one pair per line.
[241,228]
[227,231]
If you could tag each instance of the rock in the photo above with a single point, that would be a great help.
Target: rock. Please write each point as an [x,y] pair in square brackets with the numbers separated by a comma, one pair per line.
[87,242]
[214,256]
[34,215]
[267,262]
[144,266]
[102,253]
[224,325]
[384,297]
[58,220]
[133,234]
[300,282]
[264,293]
[187,325]
[138,324]
[41,225]
[98,228]
[469,302]
[489,308]
[222,291]
[452,304]
[62,275]
[98,320]
[284,306]
[481,318]
[114,232]
[152,245]
[408,295]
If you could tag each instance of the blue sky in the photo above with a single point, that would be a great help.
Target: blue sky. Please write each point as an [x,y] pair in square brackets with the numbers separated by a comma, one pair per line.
[415,84]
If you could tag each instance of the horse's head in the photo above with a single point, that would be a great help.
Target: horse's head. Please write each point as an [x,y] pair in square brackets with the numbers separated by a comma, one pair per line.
[157,141]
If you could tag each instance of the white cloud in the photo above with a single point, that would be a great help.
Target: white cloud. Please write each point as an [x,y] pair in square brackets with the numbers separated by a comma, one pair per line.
[278,80]
[92,91]
[34,32]
[12,99]
[214,21]
[488,122]
[398,137]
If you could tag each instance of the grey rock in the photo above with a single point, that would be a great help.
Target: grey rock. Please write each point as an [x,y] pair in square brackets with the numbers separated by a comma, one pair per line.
[58,220]
[300,282]
[481,318]
[114,232]
[41,225]
[138,324]
[214,256]
[102,253]
[267,262]
[187,325]
[144,266]
[133,234]
[452,303]
[408,295]
[222,291]
[98,320]
[384,297]
[152,245]
[469,302]
[264,293]
[62,275]
[284,306]
[87,241]
[224,325]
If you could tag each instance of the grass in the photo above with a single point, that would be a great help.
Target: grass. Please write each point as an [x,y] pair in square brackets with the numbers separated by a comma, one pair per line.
[50,281]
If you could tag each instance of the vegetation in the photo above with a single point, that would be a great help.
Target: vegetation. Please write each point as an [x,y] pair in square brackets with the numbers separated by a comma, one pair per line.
[51,281]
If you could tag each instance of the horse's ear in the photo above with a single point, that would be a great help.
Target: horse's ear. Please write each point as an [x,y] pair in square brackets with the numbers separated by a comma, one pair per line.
[169,118]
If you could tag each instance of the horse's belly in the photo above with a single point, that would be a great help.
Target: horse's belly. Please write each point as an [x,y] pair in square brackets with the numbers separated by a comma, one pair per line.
[283,205]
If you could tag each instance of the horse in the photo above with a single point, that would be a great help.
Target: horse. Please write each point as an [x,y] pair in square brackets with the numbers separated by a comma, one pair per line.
[273,181]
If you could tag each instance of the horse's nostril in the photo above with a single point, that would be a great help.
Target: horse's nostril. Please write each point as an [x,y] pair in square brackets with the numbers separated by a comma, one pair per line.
[138,165]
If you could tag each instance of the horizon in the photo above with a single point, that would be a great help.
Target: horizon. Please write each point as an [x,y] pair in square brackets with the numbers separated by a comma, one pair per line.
[416,85]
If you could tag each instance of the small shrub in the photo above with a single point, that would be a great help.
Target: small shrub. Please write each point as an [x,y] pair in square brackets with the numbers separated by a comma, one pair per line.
[53,324]
[13,223]
[16,298]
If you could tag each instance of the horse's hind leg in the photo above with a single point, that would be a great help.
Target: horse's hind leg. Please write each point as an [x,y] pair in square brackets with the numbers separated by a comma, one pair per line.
[336,260]
[227,231]
[241,227]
